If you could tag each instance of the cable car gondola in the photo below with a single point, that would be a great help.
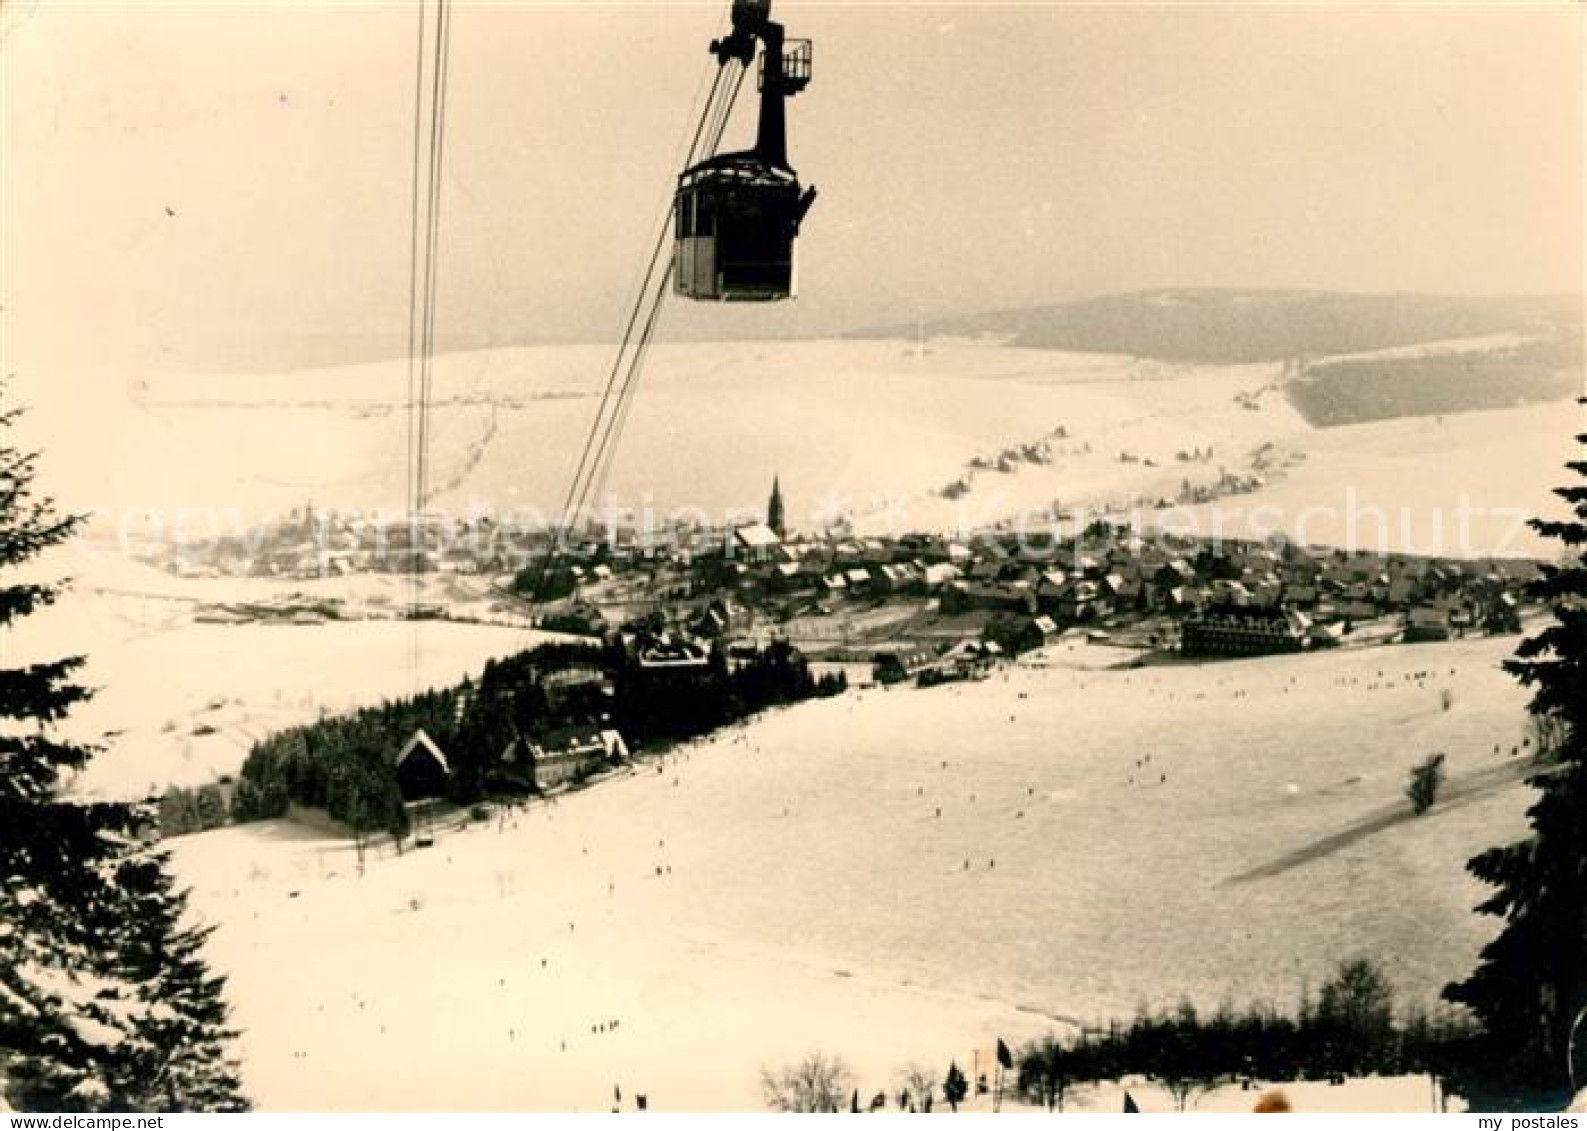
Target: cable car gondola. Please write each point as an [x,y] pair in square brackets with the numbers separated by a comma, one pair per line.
[736,215]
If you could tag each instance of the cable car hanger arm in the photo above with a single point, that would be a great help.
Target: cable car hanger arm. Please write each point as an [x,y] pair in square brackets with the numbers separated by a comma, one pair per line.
[785,71]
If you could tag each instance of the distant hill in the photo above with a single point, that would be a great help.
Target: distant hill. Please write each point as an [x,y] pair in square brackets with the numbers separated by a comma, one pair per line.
[1237,326]
[1497,373]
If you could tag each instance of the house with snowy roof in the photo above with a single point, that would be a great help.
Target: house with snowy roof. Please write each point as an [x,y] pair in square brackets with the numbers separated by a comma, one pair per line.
[422,769]
[756,543]
[571,753]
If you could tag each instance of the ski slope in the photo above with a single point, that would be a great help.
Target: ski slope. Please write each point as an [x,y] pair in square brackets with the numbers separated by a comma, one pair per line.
[789,885]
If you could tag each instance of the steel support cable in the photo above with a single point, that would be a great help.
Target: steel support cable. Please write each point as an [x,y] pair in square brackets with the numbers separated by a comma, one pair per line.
[433,218]
[579,473]
[636,365]
[605,427]
[413,266]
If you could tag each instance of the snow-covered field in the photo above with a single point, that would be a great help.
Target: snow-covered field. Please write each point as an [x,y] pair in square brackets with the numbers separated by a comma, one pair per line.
[180,702]
[871,430]
[1458,486]
[1105,838]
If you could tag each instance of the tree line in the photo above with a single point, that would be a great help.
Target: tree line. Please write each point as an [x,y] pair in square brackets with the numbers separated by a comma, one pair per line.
[1351,1028]
[106,1003]
[344,764]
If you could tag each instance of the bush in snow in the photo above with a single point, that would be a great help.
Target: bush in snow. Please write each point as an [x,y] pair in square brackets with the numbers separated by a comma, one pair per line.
[1426,778]
[818,1083]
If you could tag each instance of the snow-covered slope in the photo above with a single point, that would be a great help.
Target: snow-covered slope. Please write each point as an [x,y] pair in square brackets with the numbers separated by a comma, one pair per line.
[180,702]
[890,876]
[869,430]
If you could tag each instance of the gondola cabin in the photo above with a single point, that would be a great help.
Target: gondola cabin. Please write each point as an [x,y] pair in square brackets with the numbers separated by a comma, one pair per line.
[737,215]
[737,223]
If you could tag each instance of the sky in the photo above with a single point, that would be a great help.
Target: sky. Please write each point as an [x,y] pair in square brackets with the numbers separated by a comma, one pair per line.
[192,186]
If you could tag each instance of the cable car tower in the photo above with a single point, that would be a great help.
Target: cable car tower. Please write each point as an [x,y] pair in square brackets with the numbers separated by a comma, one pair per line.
[736,216]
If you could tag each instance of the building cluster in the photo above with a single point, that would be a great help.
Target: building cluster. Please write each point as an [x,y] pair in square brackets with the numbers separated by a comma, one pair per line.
[308,543]
[677,626]
[542,761]
[1220,597]
[1226,597]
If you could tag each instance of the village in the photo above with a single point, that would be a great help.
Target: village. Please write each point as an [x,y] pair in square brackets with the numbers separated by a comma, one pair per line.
[886,604]
[658,633]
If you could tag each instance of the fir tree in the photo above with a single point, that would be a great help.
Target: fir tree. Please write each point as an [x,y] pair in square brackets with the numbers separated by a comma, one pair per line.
[93,961]
[1043,1074]
[177,1056]
[1531,981]
[954,1086]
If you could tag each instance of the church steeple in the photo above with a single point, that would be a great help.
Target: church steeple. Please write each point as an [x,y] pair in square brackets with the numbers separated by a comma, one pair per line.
[775,518]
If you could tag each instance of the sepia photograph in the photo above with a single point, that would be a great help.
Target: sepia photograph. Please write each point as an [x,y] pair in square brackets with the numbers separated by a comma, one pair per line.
[808,556]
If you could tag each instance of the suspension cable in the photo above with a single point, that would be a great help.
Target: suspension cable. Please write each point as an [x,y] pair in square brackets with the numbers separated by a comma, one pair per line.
[625,401]
[636,363]
[433,221]
[413,265]
[727,113]
[599,449]
[423,245]
[625,398]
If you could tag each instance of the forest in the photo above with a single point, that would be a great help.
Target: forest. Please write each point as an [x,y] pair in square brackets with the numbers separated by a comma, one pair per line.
[344,764]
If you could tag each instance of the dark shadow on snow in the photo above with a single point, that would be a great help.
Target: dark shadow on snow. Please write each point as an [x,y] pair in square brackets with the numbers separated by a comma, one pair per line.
[1457,792]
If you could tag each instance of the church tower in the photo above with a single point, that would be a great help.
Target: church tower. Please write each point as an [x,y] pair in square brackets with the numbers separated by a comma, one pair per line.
[775,518]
